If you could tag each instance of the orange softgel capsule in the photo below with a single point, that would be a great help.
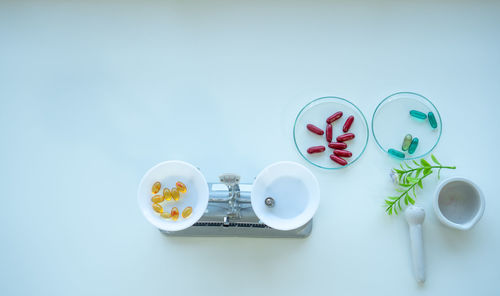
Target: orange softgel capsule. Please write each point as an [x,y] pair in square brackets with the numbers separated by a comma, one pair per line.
[167,194]
[175,193]
[166,215]
[174,213]
[156,187]
[187,212]
[157,208]
[157,198]
[181,187]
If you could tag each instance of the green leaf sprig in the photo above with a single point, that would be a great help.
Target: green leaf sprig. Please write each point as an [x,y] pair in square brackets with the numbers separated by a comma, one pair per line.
[408,177]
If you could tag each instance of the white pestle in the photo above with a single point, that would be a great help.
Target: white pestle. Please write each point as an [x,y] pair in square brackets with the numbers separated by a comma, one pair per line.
[415,217]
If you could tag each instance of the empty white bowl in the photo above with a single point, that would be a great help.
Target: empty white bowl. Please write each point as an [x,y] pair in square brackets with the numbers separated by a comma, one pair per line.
[459,203]
[295,191]
[167,173]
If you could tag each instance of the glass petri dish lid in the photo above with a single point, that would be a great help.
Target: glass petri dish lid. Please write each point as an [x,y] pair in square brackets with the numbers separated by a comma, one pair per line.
[316,112]
[392,121]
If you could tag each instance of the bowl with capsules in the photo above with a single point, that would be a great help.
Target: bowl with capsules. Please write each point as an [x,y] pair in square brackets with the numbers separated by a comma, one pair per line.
[330,133]
[173,195]
[406,125]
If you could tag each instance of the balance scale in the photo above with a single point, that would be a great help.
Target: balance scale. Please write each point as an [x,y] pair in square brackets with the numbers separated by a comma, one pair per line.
[280,203]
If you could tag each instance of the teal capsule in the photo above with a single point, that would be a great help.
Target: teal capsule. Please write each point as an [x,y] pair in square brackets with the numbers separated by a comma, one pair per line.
[406,142]
[396,153]
[413,145]
[432,120]
[418,114]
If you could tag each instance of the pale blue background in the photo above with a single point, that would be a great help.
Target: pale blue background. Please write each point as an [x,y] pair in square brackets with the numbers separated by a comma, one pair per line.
[92,94]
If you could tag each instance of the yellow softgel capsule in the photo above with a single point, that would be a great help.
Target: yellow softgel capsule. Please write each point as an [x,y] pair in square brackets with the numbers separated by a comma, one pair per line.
[167,194]
[157,208]
[181,187]
[157,198]
[156,187]
[175,193]
[166,215]
[174,214]
[187,212]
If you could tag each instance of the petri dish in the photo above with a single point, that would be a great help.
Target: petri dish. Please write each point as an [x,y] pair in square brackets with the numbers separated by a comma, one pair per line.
[392,121]
[316,112]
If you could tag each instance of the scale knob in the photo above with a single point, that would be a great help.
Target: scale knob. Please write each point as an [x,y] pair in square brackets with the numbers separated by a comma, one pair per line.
[269,201]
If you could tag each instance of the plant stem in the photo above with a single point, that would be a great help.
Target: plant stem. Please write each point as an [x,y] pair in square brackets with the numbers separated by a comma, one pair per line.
[406,173]
[404,193]
[432,167]
[408,178]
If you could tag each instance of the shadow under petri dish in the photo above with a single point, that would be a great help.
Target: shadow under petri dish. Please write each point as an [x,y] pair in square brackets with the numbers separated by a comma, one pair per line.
[290,196]
[459,202]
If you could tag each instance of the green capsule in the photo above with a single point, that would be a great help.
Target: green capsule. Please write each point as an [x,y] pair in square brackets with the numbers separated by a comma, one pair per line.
[432,120]
[396,153]
[418,114]
[413,145]
[406,142]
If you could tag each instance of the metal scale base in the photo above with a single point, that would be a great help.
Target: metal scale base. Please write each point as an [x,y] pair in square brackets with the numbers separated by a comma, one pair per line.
[229,213]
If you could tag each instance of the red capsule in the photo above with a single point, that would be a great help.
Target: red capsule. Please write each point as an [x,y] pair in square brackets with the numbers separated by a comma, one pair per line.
[329,133]
[315,149]
[347,124]
[345,137]
[334,117]
[315,129]
[343,153]
[338,160]
[337,145]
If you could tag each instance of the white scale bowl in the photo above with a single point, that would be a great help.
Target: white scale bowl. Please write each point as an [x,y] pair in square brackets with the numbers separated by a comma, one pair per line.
[167,173]
[295,191]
